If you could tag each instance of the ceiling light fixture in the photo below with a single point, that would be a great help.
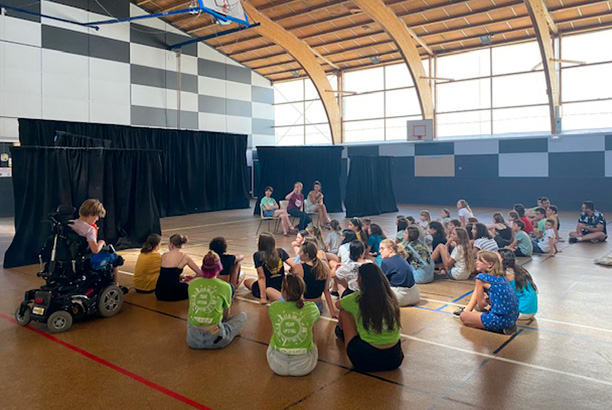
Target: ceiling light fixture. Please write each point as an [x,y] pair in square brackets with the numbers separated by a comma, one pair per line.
[375,59]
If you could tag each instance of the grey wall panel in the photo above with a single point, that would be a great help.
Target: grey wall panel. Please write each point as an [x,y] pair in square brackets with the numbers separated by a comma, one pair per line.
[215,105]
[189,82]
[362,150]
[609,142]
[238,108]
[523,145]
[116,8]
[190,50]
[571,164]
[212,69]
[188,119]
[109,49]
[238,74]
[69,41]
[30,6]
[154,77]
[262,127]
[152,117]
[262,95]
[526,164]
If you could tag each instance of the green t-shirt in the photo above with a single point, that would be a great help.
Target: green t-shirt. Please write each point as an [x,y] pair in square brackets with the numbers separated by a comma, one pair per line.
[208,298]
[541,225]
[387,337]
[524,243]
[292,327]
[265,201]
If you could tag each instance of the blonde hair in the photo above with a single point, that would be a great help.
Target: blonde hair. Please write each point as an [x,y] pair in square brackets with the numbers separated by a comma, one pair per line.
[395,247]
[468,255]
[299,184]
[494,259]
[92,207]
[427,215]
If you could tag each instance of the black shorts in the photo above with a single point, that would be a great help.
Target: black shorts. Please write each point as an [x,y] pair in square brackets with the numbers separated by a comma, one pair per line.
[275,283]
[368,358]
[347,292]
[518,252]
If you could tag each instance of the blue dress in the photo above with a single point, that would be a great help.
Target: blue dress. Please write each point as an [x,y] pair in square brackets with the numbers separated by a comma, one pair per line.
[504,304]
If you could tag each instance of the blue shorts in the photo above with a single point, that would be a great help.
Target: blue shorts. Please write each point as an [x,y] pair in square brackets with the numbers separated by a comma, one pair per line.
[496,323]
[268,214]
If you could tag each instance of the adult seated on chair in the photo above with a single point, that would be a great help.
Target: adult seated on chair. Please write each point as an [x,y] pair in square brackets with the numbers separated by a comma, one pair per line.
[591,225]
[296,203]
[271,209]
[314,204]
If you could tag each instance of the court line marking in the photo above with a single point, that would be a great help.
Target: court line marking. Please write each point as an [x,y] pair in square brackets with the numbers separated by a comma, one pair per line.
[112,366]
[207,225]
[486,355]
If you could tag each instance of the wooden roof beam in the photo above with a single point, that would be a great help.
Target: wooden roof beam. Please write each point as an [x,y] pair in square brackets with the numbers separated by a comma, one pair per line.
[306,57]
[406,44]
[537,12]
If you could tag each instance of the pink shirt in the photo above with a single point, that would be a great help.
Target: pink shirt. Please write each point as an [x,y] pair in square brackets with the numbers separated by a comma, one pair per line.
[85,230]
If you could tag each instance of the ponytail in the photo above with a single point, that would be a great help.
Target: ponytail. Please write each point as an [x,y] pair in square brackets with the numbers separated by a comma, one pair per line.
[395,247]
[152,242]
[293,289]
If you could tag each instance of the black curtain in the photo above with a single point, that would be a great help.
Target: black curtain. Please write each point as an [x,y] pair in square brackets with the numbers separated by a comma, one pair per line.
[126,181]
[281,167]
[66,139]
[369,190]
[202,171]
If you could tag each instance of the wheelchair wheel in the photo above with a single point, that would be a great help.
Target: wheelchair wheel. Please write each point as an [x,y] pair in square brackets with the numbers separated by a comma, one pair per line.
[110,301]
[23,320]
[59,321]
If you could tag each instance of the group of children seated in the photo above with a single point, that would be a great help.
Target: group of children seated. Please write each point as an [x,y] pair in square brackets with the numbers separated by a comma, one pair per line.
[363,278]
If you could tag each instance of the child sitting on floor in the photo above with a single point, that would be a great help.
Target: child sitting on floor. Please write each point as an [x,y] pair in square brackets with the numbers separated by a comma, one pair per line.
[521,244]
[552,212]
[402,224]
[292,351]
[332,242]
[230,263]
[445,217]
[209,325]
[539,222]
[374,240]
[523,285]
[546,244]
[493,295]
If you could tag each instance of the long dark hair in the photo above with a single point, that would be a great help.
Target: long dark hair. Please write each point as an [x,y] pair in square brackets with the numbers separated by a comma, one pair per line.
[294,288]
[481,231]
[266,245]
[376,230]
[520,209]
[402,224]
[522,278]
[378,305]
[349,236]
[439,228]
[356,222]
[152,242]
[319,269]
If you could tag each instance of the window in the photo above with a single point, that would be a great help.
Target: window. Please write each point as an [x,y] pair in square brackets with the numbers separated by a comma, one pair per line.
[472,64]
[464,124]
[402,102]
[521,89]
[589,47]
[587,115]
[587,83]
[515,58]
[522,119]
[464,95]
[371,79]
[398,76]
[363,131]
[396,129]
[289,91]
[359,107]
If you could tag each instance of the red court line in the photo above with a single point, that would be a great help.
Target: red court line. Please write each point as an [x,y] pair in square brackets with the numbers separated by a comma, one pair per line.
[116,368]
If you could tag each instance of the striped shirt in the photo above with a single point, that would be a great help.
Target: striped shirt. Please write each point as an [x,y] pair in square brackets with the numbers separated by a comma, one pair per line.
[485,244]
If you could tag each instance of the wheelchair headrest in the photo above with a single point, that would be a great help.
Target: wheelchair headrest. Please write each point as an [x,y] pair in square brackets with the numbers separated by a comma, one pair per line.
[65,210]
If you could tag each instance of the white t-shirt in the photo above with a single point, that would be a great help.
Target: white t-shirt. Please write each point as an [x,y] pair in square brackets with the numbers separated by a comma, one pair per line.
[485,244]
[459,271]
[543,242]
[84,229]
[348,272]
[465,213]
[344,253]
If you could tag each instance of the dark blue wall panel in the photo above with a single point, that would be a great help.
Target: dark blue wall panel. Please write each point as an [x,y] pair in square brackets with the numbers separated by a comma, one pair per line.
[523,145]
[608,142]
[362,150]
[573,164]
[476,165]
[434,148]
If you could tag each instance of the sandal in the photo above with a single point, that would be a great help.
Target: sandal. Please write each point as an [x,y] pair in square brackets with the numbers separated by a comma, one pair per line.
[458,312]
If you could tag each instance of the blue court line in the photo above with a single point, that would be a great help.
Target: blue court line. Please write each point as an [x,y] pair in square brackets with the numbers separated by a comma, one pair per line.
[472,291]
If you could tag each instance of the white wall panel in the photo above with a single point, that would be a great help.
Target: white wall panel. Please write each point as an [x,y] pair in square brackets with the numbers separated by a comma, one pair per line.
[66,12]
[212,122]
[263,111]
[238,125]
[109,113]
[57,108]
[149,56]
[65,63]
[106,70]
[212,86]
[109,92]
[238,91]
[20,31]
[148,96]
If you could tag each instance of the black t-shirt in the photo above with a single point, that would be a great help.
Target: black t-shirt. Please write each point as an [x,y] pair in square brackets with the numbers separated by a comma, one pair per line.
[437,240]
[271,272]
[228,262]
[314,287]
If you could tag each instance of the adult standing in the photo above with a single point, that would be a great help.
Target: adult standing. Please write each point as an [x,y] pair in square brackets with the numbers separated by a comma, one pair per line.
[296,204]
[591,225]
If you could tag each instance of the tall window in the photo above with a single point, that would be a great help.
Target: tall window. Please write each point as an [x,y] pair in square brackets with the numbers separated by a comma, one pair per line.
[492,91]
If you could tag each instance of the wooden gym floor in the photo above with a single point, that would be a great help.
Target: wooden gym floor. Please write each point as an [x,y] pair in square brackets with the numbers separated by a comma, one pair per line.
[139,359]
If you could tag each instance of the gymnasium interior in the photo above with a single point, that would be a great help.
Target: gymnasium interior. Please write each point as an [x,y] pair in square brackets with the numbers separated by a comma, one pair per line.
[178,115]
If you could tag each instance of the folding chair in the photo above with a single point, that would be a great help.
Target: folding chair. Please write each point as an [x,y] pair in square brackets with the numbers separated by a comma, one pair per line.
[269,219]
